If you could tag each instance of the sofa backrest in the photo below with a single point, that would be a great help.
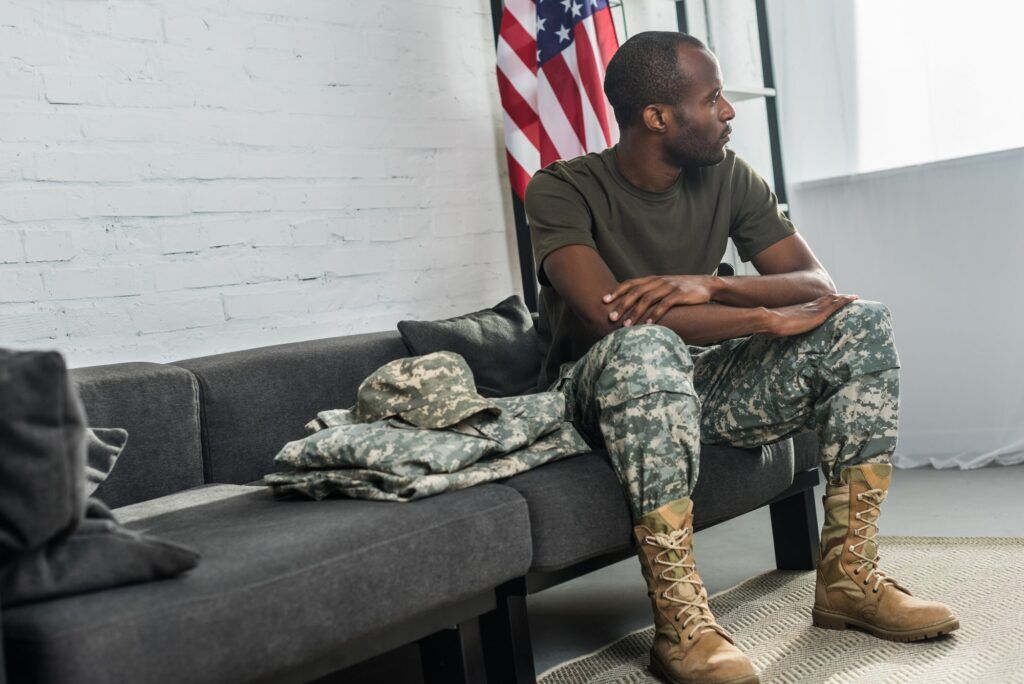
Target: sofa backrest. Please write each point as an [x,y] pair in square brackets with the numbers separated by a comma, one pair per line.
[255,401]
[159,407]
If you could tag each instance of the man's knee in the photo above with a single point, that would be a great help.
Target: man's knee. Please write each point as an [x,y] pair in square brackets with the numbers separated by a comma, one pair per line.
[646,358]
[859,323]
[861,314]
[862,337]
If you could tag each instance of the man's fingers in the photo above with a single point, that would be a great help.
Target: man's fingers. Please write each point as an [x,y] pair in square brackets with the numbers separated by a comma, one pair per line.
[657,312]
[626,304]
[635,313]
[621,288]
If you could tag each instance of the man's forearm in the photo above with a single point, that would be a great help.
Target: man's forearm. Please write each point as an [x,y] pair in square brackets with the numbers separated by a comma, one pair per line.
[705,323]
[771,291]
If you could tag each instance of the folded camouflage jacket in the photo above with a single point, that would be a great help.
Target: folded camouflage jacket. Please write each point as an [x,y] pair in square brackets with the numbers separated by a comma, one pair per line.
[394,460]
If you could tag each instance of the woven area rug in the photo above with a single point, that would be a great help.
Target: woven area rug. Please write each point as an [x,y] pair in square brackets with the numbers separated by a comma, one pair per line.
[982,578]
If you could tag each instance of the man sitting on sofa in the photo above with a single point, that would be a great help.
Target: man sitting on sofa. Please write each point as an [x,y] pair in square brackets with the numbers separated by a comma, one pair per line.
[627,243]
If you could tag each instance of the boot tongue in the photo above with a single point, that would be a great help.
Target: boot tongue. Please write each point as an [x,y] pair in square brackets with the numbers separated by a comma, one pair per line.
[868,475]
[672,516]
[861,479]
[665,520]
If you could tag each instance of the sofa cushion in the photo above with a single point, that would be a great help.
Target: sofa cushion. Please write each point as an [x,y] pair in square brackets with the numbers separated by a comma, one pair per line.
[578,509]
[256,401]
[281,583]
[159,407]
[499,344]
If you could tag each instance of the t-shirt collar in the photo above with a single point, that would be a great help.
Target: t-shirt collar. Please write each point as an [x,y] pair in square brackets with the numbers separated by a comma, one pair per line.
[611,160]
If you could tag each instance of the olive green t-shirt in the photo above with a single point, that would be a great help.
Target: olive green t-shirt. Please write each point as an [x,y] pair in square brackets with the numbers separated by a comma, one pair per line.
[681,231]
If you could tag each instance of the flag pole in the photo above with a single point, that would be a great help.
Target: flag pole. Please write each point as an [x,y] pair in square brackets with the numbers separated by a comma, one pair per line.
[523,241]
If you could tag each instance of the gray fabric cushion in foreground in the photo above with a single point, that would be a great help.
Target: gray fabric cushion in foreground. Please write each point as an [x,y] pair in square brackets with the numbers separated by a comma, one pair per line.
[499,344]
[256,401]
[98,555]
[42,452]
[281,583]
[159,407]
[578,509]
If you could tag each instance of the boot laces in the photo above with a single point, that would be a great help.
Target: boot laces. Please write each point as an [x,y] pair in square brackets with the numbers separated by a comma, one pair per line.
[702,618]
[867,533]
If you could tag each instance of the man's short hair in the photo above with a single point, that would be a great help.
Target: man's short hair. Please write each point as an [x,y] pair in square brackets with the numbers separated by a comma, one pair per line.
[645,70]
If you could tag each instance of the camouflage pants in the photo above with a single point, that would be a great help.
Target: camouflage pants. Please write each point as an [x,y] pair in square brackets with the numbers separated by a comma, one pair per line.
[650,400]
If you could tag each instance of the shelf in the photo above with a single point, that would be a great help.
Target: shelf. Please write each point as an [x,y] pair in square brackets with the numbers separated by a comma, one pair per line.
[741,94]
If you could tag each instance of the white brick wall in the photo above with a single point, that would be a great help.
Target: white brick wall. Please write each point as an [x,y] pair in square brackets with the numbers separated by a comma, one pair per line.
[179,179]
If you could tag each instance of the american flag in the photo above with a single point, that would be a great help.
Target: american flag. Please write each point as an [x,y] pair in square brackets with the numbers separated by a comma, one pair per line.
[552,56]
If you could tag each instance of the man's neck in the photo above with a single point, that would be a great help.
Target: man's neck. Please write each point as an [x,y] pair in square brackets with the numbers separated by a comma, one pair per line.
[642,166]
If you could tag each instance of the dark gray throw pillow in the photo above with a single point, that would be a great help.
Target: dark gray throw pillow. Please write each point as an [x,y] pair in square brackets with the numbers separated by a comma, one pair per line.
[499,344]
[42,451]
[54,540]
[99,554]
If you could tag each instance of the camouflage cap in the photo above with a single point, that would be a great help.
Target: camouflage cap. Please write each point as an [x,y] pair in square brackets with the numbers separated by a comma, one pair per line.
[432,391]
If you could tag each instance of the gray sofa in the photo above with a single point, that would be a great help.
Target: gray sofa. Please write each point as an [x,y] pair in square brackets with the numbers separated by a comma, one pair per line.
[295,590]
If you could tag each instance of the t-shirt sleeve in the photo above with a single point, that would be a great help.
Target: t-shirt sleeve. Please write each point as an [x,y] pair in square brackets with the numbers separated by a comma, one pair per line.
[756,222]
[558,216]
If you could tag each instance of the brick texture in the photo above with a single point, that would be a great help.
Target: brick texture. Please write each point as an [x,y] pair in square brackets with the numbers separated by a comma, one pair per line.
[180,179]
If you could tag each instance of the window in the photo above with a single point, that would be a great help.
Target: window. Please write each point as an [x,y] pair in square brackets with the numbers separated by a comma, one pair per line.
[937,80]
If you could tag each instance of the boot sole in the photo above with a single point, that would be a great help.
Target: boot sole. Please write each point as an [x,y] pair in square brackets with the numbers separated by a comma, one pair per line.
[829,620]
[657,670]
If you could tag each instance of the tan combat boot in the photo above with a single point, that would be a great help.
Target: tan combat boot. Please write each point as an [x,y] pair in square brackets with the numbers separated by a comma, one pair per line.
[850,588]
[690,647]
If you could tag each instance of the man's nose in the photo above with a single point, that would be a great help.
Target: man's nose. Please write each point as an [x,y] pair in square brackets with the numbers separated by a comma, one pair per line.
[728,113]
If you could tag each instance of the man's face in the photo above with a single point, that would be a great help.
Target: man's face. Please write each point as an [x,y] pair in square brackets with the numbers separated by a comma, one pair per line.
[698,125]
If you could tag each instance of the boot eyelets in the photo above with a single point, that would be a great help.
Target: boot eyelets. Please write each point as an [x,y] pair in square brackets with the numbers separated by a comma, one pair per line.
[857,571]
[875,590]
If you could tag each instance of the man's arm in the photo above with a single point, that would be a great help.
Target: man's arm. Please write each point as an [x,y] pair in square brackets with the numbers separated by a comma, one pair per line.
[790,274]
[581,276]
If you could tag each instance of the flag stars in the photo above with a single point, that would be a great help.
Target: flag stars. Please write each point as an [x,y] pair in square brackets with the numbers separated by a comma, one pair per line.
[576,8]
[563,34]
[540,23]
[566,4]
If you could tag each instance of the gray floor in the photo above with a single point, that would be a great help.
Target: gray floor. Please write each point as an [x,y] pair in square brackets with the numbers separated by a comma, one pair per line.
[587,613]
[583,615]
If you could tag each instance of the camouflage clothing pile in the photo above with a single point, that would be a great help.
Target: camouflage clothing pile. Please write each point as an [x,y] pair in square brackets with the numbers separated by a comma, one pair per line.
[419,428]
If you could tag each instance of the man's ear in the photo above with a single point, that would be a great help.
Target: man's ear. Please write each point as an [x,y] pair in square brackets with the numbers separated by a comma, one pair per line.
[654,118]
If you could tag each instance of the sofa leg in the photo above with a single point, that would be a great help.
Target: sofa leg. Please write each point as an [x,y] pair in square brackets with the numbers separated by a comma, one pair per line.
[506,636]
[795,531]
[453,655]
